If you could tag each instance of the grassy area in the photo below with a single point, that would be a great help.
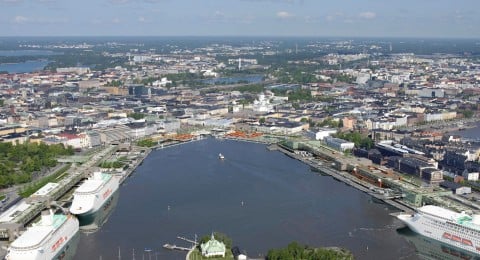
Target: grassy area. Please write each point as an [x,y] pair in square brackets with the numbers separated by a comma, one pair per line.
[197,255]
[2,197]
[33,187]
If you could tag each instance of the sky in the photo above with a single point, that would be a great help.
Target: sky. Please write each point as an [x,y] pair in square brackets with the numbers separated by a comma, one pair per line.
[313,18]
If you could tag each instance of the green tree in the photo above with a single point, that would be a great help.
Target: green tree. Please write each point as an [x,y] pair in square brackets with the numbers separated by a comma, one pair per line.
[148,142]
[136,116]
[295,250]
[20,161]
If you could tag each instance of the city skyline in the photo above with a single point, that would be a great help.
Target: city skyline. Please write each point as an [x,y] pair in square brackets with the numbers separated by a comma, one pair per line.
[349,18]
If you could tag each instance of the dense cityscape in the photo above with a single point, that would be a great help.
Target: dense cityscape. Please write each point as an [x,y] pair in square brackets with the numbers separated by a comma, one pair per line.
[394,118]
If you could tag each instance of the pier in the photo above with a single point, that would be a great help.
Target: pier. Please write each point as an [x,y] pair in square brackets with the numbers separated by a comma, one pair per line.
[189,240]
[175,247]
[15,218]
[346,178]
[181,248]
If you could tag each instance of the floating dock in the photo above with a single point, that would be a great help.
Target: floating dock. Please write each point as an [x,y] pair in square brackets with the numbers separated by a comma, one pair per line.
[175,247]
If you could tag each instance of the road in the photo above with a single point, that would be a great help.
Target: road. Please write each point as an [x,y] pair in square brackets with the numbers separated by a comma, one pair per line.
[11,193]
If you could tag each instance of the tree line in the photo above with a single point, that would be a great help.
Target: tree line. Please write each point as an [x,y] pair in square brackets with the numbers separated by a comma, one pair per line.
[295,250]
[19,162]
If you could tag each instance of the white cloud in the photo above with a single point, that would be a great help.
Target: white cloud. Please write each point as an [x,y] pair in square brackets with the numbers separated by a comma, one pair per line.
[142,19]
[367,15]
[115,20]
[284,15]
[20,19]
[335,16]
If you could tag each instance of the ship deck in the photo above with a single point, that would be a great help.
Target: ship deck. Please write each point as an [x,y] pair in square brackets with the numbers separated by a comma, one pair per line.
[35,235]
[458,218]
[91,185]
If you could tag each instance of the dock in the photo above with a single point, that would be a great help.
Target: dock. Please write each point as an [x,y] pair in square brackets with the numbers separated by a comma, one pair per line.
[175,247]
[188,240]
[347,179]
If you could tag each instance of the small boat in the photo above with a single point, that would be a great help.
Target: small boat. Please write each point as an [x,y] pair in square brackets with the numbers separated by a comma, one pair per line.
[220,156]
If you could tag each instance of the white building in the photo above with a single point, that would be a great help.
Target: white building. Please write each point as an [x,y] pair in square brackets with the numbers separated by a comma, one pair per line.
[77,70]
[321,134]
[213,247]
[338,144]
[432,93]
[262,104]
[429,117]
[161,83]
[471,176]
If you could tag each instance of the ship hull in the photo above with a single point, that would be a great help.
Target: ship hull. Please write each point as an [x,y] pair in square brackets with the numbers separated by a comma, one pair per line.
[427,248]
[91,222]
[69,250]
[443,231]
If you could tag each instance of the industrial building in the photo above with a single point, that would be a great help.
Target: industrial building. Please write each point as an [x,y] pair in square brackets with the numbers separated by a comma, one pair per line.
[456,188]
[414,166]
[338,144]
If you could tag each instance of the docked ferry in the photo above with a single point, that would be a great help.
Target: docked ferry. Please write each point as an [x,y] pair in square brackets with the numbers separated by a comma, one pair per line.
[93,222]
[49,238]
[92,195]
[457,229]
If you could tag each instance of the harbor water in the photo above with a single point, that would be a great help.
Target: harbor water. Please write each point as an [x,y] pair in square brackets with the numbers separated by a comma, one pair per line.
[261,199]
[24,67]
[471,133]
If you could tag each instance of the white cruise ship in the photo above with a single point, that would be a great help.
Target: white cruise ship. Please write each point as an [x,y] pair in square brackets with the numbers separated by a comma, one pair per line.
[47,239]
[95,192]
[430,249]
[457,229]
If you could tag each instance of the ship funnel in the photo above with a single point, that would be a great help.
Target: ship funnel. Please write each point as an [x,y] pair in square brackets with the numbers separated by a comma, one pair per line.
[97,175]
[47,218]
[476,219]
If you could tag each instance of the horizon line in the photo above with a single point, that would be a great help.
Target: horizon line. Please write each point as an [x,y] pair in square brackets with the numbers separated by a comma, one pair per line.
[247,36]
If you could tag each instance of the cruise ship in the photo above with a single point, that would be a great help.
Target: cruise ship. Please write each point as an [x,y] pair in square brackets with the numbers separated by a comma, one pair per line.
[457,229]
[92,195]
[430,249]
[49,238]
[92,223]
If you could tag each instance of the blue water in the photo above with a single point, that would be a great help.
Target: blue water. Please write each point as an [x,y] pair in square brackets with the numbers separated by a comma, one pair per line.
[186,190]
[473,133]
[24,67]
[233,80]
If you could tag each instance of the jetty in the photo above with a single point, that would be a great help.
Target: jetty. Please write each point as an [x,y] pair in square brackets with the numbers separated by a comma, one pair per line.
[175,247]
[188,240]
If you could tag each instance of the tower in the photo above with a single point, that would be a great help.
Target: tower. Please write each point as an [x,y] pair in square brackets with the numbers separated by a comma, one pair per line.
[239,63]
